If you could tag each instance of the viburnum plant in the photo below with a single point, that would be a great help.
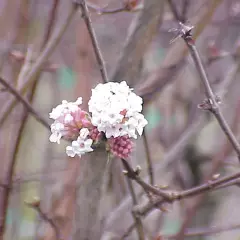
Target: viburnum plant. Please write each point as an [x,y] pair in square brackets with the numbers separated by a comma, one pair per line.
[114,118]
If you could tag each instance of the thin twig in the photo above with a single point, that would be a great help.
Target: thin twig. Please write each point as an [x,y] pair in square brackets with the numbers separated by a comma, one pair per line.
[137,219]
[96,48]
[212,103]
[171,155]
[171,196]
[147,187]
[25,103]
[148,158]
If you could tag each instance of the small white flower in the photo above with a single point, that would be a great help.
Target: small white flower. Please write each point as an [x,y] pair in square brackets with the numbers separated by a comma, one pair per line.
[141,123]
[55,137]
[79,147]
[70,152]
[79,101]
[68,118]
[56,112]
[113,131]
[56,129]
[84,132]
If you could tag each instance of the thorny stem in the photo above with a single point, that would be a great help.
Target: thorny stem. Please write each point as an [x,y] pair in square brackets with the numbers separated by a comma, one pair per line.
[137,219]
[213,105]
[96,48]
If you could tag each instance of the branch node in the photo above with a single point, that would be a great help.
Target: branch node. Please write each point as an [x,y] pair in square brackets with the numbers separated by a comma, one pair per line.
[183,31]
[209,104]
[137,170]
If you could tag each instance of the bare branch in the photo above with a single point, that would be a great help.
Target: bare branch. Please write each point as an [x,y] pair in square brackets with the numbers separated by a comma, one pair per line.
[137,219]
[96,48]
[211,103]
[25,103]
[148,158]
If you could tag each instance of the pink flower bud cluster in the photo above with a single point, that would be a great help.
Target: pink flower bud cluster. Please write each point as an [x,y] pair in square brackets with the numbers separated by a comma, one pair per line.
[121,146]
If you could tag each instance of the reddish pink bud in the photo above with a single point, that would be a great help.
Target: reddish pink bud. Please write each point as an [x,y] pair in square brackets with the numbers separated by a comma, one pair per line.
[95,135]
[121,146]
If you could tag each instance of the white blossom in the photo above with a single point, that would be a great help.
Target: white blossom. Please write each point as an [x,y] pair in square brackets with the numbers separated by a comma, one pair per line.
[116,110]
[56,129]
[65,108]
[79,147]
[84,132]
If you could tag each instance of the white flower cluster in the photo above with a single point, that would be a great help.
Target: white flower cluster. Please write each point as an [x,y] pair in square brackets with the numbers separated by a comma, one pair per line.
[116,110]
[81,146]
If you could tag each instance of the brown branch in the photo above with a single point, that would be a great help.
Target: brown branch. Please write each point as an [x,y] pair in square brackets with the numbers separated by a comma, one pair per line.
[217,162]
[212,103]
[148,158]
[25,103]
[147,187]
[171,156]
[174,61]
[137,219]
[171,196]
[96,48]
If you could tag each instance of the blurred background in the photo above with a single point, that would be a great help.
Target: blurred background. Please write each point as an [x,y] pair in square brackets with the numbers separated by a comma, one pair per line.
[47,55]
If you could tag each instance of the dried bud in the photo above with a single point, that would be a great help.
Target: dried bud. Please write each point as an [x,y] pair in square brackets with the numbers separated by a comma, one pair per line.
[131,4]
